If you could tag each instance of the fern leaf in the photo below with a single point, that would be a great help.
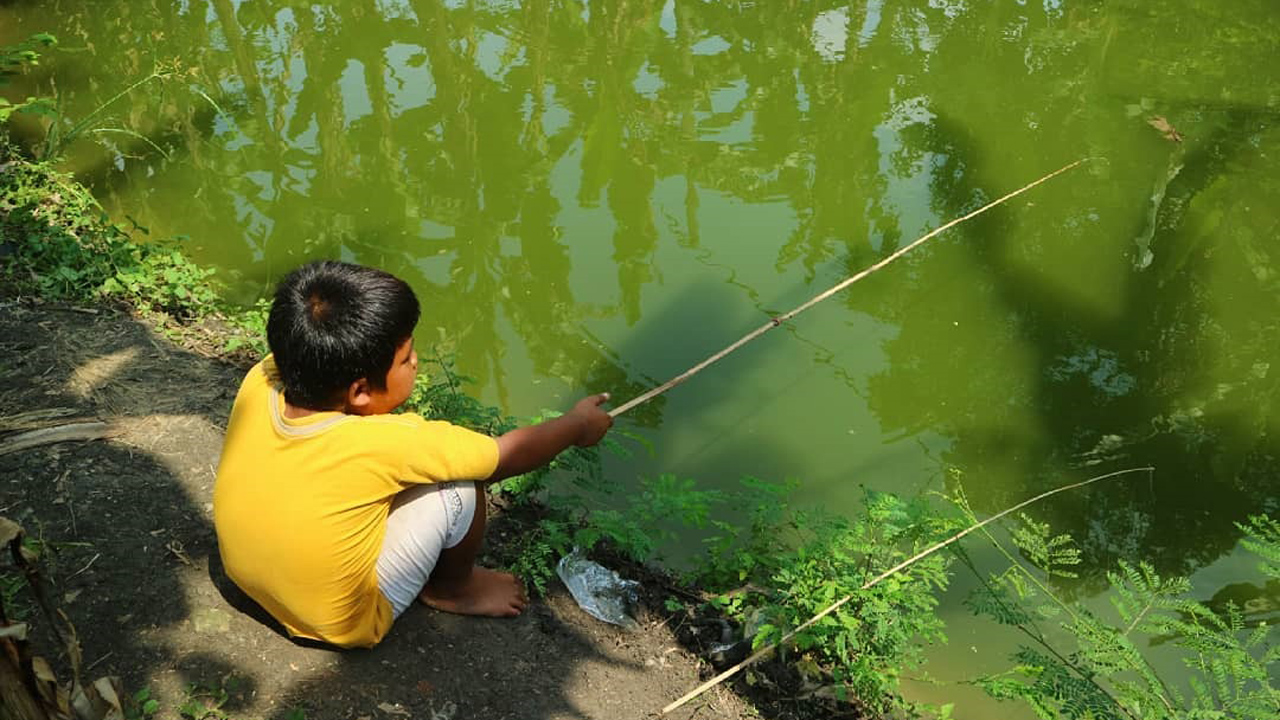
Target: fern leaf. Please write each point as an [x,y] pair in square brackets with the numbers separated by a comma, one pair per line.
[1263,539]
[1052,554]
[995,602]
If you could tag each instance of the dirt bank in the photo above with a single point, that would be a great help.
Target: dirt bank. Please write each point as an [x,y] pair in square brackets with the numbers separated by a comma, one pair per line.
[133,560]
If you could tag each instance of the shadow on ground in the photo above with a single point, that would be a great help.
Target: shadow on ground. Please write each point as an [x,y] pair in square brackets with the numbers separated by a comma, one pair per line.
[132,558]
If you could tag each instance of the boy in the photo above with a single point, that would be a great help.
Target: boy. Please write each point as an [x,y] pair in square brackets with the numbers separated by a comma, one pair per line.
[333,514]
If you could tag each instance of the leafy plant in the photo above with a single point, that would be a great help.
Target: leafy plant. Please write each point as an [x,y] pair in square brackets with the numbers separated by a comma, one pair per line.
[159,276]
[16,59]
[206,700]
[1105,676]
[142,706]
[784,579]
[1262,538]
[536,551]
[65,247]
[438,393]
[60,131]
[16,607]
[248,329]
[1053,554]
[17,594]
[636,531]
[738,551]
[57,138]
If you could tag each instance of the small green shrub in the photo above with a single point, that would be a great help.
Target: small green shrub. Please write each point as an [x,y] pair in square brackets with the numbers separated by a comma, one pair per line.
[142,706]
[249,329]
[863,647]
[1104,675]
[647,521]
[739,552]
[12,599]
[63,246]
[536,551]
[438,393]
[205,701]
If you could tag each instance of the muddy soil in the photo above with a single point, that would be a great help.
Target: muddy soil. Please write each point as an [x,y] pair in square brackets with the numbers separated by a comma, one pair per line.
[132,557]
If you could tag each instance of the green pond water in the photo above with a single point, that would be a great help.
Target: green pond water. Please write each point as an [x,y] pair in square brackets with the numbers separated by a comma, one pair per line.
[596,196]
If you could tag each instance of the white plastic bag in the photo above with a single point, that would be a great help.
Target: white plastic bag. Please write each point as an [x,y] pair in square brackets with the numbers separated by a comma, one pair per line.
[598,590]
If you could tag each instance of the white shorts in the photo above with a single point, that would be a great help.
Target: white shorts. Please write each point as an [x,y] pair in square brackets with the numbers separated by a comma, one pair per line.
[424,520]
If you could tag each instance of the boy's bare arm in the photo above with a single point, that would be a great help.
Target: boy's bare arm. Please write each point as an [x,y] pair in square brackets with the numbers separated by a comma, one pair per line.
[533,446]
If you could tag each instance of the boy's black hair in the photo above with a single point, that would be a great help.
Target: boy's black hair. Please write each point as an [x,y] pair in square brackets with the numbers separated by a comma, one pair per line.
[333,323]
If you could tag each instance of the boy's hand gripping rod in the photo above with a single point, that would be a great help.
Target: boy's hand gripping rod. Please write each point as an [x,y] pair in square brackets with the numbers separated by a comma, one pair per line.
[775,322]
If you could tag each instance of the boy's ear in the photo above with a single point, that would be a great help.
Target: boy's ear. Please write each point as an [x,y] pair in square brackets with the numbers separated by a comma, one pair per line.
[359,396]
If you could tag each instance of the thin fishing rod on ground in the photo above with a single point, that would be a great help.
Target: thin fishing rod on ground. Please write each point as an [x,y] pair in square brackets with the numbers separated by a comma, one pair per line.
[877,579]
[775,322]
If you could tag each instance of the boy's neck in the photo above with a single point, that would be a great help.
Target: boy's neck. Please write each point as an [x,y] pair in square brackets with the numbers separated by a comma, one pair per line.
[295,412]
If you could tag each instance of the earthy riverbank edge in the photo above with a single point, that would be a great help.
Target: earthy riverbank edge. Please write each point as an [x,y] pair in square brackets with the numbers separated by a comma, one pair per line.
[188,338]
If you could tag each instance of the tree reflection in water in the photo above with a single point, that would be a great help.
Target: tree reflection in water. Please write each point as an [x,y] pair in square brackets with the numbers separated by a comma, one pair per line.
[518,163]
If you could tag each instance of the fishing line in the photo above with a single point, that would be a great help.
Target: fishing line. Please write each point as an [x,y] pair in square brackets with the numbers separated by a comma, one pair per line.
[775,322]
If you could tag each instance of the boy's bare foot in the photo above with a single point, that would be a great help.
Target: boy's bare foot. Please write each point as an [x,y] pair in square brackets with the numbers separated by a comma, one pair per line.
[483,592]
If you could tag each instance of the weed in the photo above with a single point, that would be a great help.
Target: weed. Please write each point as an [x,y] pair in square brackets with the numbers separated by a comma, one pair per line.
[864,646]
[738,551]
[13,601]
[57,139]
[58,242]
[248,329]
[14,60]
[63,246]
[142,706]
[537,550]
[60,131]
[201,701]
[206,700]
[1104,675]
[438,393]
[160,277]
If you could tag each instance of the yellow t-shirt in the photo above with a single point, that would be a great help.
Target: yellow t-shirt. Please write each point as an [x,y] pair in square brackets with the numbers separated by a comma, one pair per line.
[300,505]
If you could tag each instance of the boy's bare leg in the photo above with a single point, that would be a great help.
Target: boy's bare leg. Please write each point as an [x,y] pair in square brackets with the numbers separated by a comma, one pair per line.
[457,585]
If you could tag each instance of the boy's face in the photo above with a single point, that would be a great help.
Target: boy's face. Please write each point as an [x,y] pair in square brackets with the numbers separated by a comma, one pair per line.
[399,382]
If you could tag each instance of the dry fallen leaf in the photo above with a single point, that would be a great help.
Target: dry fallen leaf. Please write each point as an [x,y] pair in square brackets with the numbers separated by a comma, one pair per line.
[1161,123]
[8,531]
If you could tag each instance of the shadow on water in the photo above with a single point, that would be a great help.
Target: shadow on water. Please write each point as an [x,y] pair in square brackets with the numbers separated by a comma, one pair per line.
[1122,388]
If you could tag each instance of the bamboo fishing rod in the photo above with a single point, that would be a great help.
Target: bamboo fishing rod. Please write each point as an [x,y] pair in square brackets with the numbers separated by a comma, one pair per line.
[876,580]
[775,322]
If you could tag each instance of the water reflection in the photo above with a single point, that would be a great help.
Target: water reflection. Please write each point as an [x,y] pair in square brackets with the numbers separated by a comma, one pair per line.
[543,171]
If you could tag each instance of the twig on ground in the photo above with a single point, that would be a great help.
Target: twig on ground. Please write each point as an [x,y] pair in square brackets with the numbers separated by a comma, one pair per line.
[61,433]
[180,552]
[33,419]
[87,565]
[95,663]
